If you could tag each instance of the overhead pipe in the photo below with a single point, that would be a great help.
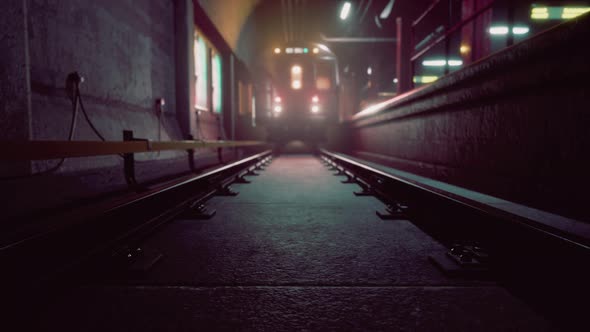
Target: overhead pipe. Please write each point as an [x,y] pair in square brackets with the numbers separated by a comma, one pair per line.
[358,39]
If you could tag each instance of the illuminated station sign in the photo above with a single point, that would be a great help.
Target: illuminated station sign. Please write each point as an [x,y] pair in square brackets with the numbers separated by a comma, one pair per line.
[556,13]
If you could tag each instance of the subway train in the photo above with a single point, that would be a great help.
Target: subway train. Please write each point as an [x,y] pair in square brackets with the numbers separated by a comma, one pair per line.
[305,92]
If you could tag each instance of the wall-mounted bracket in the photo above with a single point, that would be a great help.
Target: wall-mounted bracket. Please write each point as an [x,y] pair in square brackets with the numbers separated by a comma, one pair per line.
[129,162]
[191,155]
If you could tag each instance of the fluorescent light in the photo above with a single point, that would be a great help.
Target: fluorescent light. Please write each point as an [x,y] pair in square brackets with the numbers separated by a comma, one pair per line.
[369,71]
[571,12]
[576,10]
[557,12]
[434,63]
[395,80]
[520,30]
[298,50]
[540,13]
[289,50]
[277,50]
[455,63]
[425,79]
[387,10]
[345,11]
[539,10]
[541,16]
[499,30]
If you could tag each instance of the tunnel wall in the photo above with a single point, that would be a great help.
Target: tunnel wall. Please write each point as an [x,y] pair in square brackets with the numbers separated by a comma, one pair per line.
[514,124]
[128,52]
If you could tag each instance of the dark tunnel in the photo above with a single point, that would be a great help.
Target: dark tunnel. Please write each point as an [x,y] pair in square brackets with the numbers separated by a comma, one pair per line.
[279,165]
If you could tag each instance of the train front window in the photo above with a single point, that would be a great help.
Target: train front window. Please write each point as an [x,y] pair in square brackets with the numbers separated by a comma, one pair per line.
[296,77]
[323,75]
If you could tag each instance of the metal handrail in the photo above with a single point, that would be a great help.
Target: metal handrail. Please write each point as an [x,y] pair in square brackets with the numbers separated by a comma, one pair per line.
[425,13]
[45,150]
[450,31]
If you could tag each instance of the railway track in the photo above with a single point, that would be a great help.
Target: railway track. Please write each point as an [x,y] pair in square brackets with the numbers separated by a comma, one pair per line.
[483,243]
[40,254]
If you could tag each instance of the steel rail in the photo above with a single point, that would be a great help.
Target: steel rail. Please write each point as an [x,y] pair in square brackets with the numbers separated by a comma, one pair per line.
[76,236]
[383,183]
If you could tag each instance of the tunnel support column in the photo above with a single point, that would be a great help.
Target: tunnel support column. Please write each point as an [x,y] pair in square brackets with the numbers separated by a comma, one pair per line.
[184,40]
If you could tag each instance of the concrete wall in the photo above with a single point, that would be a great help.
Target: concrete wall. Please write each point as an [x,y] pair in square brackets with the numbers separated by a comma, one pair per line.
[514,124]
[130,53]
[126,54]
[15,102]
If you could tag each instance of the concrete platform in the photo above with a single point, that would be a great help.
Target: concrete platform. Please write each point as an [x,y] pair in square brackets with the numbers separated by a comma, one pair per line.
[296,250]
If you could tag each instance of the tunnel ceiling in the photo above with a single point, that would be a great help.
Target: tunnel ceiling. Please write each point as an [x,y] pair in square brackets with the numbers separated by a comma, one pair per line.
[252,27]
[229,16]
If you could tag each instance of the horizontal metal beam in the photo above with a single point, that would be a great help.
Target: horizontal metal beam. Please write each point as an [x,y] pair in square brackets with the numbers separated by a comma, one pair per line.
[358,39]
[45,150]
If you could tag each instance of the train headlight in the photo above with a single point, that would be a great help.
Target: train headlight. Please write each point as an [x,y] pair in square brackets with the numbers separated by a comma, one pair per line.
[315,108]
[278,109]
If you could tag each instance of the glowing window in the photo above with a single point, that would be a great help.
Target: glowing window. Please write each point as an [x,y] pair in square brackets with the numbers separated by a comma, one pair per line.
[324,71]
[296,77]
[201,60]
[216,82]
[253,111]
